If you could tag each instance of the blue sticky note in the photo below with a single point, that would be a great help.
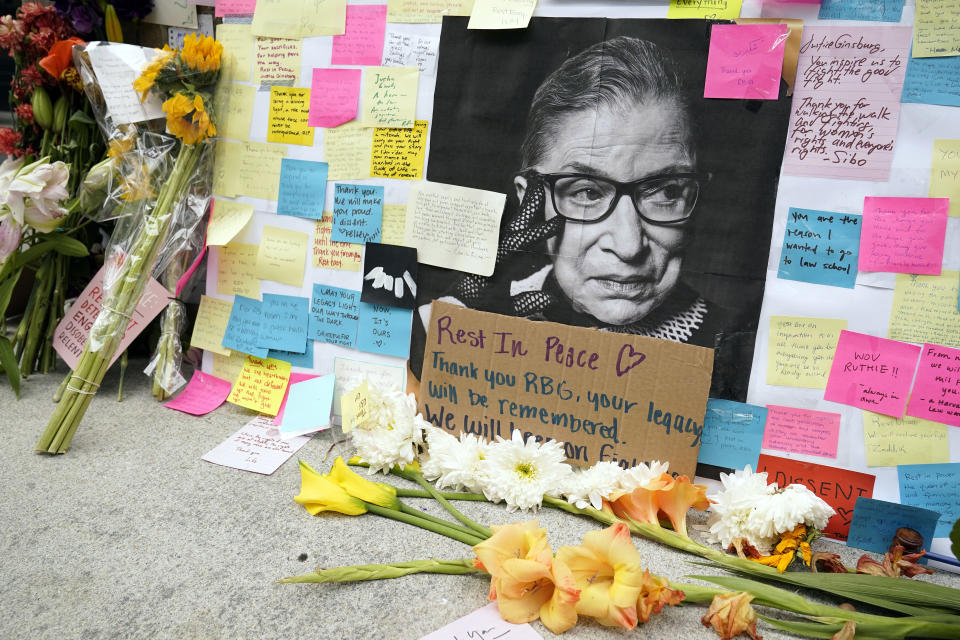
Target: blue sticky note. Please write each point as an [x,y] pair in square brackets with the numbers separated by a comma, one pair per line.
[732,433]
[875,522]
[243,327]
[283,324]
[304,360]
[820,247]
[934,487]
[384,330]
[874,10]
[932,81]
[334,314]
[308,406]
[357,213]
[303,185]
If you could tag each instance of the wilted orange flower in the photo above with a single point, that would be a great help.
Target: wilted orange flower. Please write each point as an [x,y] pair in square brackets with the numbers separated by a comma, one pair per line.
[188,119]
[148,76]
[826,563]
[730,614]
[894,564]
[848,632]
[786,550]
[664,495]
[655,594]
[201,53]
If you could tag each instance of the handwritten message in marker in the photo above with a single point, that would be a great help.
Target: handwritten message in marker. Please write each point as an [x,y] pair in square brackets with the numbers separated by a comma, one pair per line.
[203,394]
[872,373]
[908,440]
[276,61]
[802,431]
[362,42]
[945,173]
[327,254]
[334,96]
[936,28]
[303,186]
[355,406]
[398,152]
[347,150]
[282,255]
[334,315]
[934,487]
[243,328]
[210,325]
[287,120]
[501,14]
[925,309]
[732,432]
[484,623]
[252,448]
[936,390]
[875,523]
[903,235]
[116,67]
[227,219]
[801,350]
[411,50]
[933,81]
[389,96]
[745,61]
[283,322]
[237,270]
[384,330]
[820,247]
[234,7]
[261,385]
[357,213]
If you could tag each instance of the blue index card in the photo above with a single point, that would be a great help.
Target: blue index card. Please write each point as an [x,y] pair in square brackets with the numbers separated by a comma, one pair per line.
[874,10]
[820,247]
[283,324]
[357,213]
[243,327]
[732,433]
[875,522]
[932,81]
[934,487]
[384,330]
[304,360]
[308,406]
[303,185]
[334,314]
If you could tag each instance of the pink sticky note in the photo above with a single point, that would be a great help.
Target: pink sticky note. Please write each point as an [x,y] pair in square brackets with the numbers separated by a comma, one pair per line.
[362,41]
[903,235]
[936,391]
[802,431]
[871,373]
[294,379]
[72,332]
[234,7]
[334,96]
[745,61]
[203,394]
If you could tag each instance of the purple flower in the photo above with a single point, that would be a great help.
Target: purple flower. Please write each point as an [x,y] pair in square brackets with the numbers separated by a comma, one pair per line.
[132,9]
[84,19]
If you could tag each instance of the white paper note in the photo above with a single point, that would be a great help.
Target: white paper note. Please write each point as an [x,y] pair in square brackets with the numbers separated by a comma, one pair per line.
[484,624]
[117,66]
[254,449]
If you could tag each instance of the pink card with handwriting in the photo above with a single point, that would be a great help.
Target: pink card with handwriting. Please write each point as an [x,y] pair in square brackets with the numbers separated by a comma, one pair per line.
[872,373]
[936,391]
[203,394]
[362,41]
[745,61]
[334,96]
[234,7]
[802,431]
[903,235]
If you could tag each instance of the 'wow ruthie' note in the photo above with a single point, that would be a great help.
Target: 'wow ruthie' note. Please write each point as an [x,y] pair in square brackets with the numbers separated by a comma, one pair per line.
[872,373]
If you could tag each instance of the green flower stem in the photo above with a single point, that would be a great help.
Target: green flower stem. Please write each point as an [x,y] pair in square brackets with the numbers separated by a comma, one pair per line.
[46,275]
[449,495]
[123,373]
[479,528]
[364,572]
[416,520]
[426,516]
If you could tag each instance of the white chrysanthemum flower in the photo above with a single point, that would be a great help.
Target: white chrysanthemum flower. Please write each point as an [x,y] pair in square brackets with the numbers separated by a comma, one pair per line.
[785,509]
[743,492]
[454,464]
[521,473]
[641,475]
[588,487]
[391,432]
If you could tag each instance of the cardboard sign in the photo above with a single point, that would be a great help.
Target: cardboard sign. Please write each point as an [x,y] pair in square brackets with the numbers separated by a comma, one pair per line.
[606,396]
[838,487]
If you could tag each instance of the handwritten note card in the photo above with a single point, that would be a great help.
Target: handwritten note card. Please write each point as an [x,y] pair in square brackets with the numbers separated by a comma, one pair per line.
[303,186]
[411,50]
[398,152]
[350,373]
[243,328]
[934,487]
[908,440]
[389,96]
[872,373]
[282,255]
[299,18]
[203,394]
[248,169]
[711,9]
[801,350]
[233,106]
[347,150]
[335,94]
[903,235]
[422,11]
[820,247]
[745,61]
[276,61]
[933,81]
[334,314]
[875,523]
[252,448]
[501,14]
[454,227]
[283,322]
[287,121]
[261,385]
[227,219]
[796,430]
[945,173]
[384,330]
[327,254]
[394,223]
[237,270]
[234,7]
[228,367]
[732,432]
[355,406]
[886,11]
[238,43]
[936,28]
[936,390]
[484,623]
[362,43]
[846,103]
[357,213]
[925,309]
[308,407]
[116,67]
[213,315]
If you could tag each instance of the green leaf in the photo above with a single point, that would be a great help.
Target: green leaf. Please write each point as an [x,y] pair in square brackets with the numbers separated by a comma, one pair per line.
[79,120]
[9,363]
[68,246]
[6,290]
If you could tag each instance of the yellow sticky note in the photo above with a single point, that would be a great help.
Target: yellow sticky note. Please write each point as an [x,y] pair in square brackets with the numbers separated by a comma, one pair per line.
[276,61]
[936,28]
[343,256]
[801,350]
[282,255]
[257,170]
[945,173]
[237,41]
[347,151]
[925,309]
[237,270]
[501,14]
[393,225]
[421,11]
[228,367]
[389,96]
[287,121]
[212,318]
[224,166]
[227,219]
[261,385]
[233,110]
[354,407]
[713,9]
[299,18]
[398,152]
[908,440]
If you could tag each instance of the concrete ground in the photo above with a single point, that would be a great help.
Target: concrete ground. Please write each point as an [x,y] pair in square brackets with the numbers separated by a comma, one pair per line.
[131,535]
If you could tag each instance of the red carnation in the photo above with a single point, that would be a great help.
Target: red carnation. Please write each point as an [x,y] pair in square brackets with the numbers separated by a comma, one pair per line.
[11,35]
[10,141]
[24,112]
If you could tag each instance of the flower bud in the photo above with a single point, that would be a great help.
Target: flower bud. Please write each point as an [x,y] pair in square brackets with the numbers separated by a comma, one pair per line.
[93,189]
[42,107]
[114,31]
[60,113]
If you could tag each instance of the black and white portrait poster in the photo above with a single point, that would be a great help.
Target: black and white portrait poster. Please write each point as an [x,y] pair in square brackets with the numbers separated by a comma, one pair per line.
[634,204]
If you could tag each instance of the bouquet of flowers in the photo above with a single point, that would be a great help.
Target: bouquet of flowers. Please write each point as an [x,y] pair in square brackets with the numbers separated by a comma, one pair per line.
[102,19]
[166,180]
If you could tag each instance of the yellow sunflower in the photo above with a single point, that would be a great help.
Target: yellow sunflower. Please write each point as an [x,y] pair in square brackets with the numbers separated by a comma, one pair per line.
[188,119]
[201,53]
[148,76]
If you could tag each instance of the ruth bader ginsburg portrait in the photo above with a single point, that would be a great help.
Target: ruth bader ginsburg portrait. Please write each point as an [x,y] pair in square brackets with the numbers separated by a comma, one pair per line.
[634,204]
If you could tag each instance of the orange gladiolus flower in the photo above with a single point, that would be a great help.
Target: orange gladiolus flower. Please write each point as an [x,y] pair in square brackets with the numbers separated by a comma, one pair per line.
[60,57]
[642,504]
[667,496]
[730,614]
[655,595]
